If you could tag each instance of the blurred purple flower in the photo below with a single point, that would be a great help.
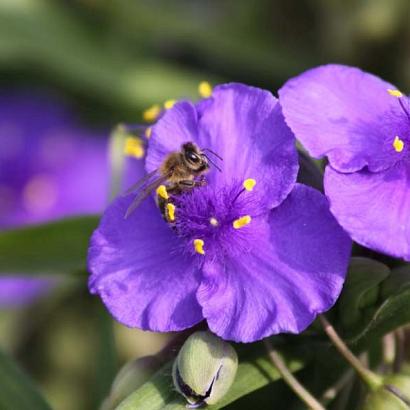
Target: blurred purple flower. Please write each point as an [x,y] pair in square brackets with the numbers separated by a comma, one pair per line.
[50,167]
[272,257]
[362,124]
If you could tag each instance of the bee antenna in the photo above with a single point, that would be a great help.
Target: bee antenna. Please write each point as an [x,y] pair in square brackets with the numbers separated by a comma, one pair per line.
[213,163]
[212,152]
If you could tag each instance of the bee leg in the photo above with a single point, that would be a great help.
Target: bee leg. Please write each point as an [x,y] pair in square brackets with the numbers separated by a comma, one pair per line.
[188,183]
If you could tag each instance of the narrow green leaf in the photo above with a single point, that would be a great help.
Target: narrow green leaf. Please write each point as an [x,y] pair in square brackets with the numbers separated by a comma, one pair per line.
[158,393]
[393,313]
[16,389]
[57,247]
[361,290]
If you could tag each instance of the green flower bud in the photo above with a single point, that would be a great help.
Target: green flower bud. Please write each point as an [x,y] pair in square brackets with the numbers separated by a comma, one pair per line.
[204,369]
[393,395]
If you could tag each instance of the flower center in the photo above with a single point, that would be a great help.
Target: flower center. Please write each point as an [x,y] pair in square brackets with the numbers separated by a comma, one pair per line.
[214,221]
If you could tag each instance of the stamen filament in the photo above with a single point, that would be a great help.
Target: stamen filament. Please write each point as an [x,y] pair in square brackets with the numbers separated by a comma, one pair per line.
[242,221]
[162,192]
[248,185]
[148,132]
[199,246]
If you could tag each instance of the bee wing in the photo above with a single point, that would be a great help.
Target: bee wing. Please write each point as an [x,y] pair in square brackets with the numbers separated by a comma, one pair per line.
[141,182]
[145,193]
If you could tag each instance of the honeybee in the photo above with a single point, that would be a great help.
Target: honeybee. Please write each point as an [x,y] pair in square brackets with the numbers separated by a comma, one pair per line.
[180,171]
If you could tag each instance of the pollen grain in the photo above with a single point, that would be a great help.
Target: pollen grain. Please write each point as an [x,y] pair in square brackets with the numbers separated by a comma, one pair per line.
[162,192]
[204,89]
[151,113]
[171,212]
[242,221]
[148,132]
[199,246]
[249,184]
[395,93]
[398,144]
[169,104]
[134,147]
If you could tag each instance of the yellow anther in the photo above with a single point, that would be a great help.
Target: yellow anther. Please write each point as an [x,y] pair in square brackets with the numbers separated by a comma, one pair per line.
[148,132]
[169,104]
[398,144]
[134,147]
[199,246]
[395,93]
[213,221]
[204,89]
[249,184]
[171,212]
[151,113]
[242,221]
[162,192]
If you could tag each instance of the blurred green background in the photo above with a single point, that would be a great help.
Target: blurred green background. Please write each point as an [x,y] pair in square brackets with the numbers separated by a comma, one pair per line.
[109,60]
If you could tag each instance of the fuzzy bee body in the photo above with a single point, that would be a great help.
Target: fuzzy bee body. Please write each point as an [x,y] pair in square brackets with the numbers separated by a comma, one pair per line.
[179,172]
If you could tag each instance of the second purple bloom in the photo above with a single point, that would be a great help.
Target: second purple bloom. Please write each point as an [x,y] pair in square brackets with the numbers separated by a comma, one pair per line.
[362,124]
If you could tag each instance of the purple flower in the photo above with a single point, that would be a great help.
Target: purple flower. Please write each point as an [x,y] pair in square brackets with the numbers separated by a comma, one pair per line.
[362,124]
[251,259]
[48,162]
[50,167]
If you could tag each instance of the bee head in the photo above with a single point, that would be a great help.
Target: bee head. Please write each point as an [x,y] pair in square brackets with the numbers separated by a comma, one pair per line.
[193,157]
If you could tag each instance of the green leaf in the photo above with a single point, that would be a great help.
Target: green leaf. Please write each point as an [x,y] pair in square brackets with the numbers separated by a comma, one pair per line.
[57,247]
[158,393]
[16,389]
[397,282]
[393,312]
[361,290]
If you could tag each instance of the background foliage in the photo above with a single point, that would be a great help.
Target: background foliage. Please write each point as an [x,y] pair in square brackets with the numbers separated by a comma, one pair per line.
[111,59]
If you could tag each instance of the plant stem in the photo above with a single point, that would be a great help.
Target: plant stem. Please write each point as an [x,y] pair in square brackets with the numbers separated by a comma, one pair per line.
[372,380]
[399,357]
[290,380]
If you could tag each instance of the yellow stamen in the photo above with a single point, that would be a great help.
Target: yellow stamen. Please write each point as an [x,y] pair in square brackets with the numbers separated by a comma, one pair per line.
[395,93]
[148,132]
[162,192]
[204,89]
[199,246]
[249,184]
[134,147]
[151,113]
[169,104]
[213,221]
[242,221]
[171,212]
[398,144]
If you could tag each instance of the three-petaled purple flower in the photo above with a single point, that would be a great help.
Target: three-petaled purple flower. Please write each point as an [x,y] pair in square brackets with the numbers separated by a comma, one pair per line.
[362,124]
[252,252]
